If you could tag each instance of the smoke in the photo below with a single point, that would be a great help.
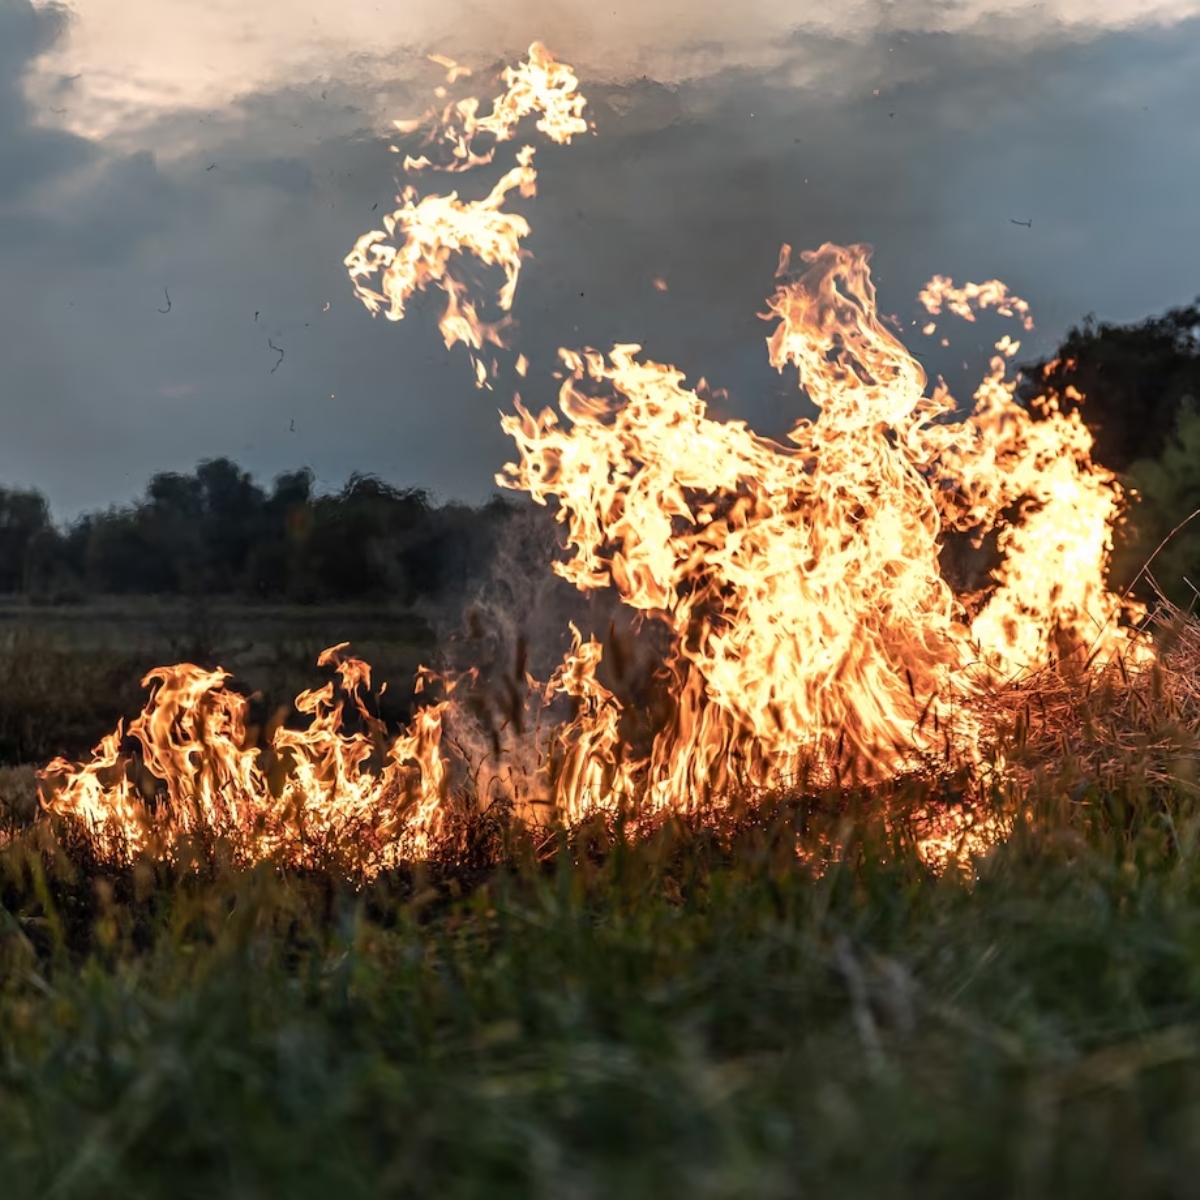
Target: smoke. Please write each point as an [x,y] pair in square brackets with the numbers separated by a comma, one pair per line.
[511,635]
[511,628]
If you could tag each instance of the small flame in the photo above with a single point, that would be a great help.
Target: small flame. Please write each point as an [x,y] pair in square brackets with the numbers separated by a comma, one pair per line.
[454,71]
[538,85]
[940,293]
[309,789]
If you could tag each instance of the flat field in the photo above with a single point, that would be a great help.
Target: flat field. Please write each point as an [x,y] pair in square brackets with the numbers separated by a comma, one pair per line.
[71,671]
[775,1001]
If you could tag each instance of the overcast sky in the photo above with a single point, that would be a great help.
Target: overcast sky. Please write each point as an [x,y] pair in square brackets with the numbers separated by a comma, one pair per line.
[231,153]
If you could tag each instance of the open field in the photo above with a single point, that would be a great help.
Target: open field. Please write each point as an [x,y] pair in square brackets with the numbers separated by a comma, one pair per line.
[71,671]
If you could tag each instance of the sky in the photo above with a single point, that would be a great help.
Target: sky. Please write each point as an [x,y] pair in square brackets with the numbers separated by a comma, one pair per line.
[228,155]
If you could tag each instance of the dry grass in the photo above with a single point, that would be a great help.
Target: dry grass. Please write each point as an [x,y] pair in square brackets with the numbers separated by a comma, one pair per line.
[70,674]
[18,797]
[702,1009]
[1085,734]
[1109,727]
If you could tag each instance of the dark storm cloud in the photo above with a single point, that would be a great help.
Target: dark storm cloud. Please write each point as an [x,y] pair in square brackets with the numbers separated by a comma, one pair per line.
[701,184]
[28,157]
[252,210]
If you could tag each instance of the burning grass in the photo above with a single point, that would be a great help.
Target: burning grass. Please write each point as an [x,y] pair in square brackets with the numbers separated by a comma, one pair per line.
[338,788]
[1107,727]
[779,992]
[799,584]
[689,1011]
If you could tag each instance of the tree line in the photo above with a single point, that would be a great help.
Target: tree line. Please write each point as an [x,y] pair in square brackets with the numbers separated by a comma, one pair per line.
[215,531]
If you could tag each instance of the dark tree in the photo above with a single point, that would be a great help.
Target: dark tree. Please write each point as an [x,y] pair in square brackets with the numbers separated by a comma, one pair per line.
[232,521]
[1136,387]
[359,539]
[121,558]
[24,520]
[1134,379]
[216,532]
[170,520]
[275,564]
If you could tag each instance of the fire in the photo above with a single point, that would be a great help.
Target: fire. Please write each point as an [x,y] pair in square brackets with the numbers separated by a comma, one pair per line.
[308,789]
[802,582]
[435,230]
[812,630]
[435,233]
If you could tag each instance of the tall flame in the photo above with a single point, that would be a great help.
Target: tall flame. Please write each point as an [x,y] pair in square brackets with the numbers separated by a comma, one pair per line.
[802,583]
[811,626]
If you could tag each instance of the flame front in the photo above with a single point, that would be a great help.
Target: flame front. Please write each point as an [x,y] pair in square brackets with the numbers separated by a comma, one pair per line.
[307,791]
[812,630]
[802,583]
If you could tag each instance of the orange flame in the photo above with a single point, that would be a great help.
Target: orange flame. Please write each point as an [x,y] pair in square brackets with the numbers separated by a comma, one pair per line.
[539,85]
[313,788]
[812,628]
[803,583]
[435,232]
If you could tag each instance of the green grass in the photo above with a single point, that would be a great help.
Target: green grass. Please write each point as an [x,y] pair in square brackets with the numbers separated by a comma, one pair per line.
[688,1014]
[692,1013]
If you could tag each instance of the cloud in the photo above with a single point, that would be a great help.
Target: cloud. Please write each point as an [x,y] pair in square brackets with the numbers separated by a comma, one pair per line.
[140,58]
[28,156]
[249,208]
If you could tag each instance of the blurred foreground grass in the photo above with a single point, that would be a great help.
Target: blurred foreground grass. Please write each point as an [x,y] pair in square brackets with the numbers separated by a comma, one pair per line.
[691,1014]
[771,1002]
